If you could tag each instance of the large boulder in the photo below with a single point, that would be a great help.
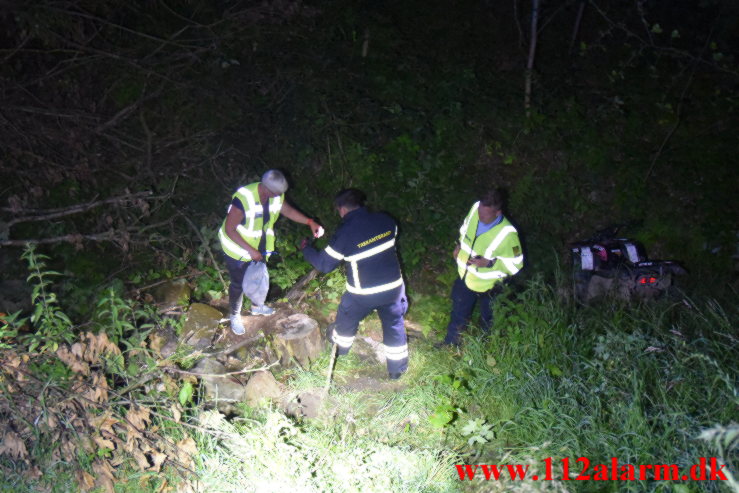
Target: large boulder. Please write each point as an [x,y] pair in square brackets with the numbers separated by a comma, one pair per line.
[172,294]
[261,387]
[308,404]
[200,325]
[223,391]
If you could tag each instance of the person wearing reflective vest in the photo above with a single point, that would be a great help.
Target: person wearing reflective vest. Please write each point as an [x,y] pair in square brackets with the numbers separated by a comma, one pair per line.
[488,252]
[247,234]
[366,242]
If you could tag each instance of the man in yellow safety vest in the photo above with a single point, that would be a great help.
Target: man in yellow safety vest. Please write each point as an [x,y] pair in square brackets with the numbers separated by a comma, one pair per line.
[488,251]
[247,234]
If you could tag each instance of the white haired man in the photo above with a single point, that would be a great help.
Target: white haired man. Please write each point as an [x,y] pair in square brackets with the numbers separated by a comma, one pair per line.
[247,234]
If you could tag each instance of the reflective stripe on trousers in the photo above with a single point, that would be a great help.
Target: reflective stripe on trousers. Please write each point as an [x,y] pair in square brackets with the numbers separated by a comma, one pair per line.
[390,306]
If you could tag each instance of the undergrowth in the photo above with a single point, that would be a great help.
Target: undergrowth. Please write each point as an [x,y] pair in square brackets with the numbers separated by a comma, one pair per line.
[646,383]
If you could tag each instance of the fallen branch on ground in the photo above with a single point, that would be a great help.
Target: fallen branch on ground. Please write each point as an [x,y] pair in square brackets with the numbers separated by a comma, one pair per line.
[229,374]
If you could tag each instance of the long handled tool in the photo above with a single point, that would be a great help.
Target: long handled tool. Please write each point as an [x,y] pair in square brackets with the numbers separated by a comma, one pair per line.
[330,370]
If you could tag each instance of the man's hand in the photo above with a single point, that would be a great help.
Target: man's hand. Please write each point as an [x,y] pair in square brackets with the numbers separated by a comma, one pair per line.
[303,243]
[480,261]
[316,228]
[255,254]
[456,251]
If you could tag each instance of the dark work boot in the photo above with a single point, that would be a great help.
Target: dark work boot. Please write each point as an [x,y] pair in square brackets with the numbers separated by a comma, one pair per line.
[328,336]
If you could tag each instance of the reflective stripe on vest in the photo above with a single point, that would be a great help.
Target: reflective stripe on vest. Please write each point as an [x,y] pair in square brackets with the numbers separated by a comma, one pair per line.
[354,264]
[251,231]
[250,206]
[229,245]
[498,240]
[466,223]
[493,274]
[483,278]
[333,253]
[372,251]
[510,264]
[377,289]
[513,264]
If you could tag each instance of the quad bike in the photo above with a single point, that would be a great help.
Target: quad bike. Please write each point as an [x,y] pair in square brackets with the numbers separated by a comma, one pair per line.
[605,265]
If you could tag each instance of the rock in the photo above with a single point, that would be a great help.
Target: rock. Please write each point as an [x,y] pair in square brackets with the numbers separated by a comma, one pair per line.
[298,338]
[224,391]
[164,341]
[172,294]
[168,349]
[311,404]
[305,405]
[231,363]
[244,354]
[261,352]
[262,386]
[376,349]
[200,325]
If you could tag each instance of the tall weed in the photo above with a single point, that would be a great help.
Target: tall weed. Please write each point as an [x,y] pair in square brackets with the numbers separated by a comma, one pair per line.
[52,325]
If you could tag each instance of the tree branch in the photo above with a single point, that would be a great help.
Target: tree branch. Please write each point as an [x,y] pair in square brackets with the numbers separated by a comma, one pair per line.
[224,375]
[49,214]
[70,238]
[664,49]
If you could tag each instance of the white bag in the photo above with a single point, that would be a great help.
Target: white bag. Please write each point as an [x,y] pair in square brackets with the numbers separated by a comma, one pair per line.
[256,283]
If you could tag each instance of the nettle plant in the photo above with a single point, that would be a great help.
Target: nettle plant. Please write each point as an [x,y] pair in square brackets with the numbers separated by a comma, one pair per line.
[52,325]
[125,321]
[288,265]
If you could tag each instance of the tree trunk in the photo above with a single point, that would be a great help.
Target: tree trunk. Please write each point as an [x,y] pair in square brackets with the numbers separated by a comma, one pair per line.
[576,27]
[298,338]
[532,56]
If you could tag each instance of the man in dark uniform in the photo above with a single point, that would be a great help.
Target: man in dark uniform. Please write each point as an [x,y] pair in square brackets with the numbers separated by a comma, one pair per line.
[366,241]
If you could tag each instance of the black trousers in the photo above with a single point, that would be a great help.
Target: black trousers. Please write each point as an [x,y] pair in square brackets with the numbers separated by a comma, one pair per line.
[390,306]
[463,302]
[236,270]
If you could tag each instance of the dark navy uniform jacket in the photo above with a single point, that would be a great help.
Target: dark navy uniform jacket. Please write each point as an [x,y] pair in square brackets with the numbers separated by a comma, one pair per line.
[366,241]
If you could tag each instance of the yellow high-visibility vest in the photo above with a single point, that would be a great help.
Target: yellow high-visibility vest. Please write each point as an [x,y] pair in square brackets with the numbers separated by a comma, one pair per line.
[253,225]
[501,243]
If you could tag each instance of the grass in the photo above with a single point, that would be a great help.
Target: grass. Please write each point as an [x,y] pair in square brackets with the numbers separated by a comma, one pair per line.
[638,383]
[553,380]
[274,453]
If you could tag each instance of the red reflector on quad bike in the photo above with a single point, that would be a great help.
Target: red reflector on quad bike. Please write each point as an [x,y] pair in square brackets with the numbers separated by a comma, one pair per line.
[647,280]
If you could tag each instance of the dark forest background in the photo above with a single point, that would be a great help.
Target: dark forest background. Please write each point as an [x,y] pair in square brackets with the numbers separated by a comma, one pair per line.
[162,109]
